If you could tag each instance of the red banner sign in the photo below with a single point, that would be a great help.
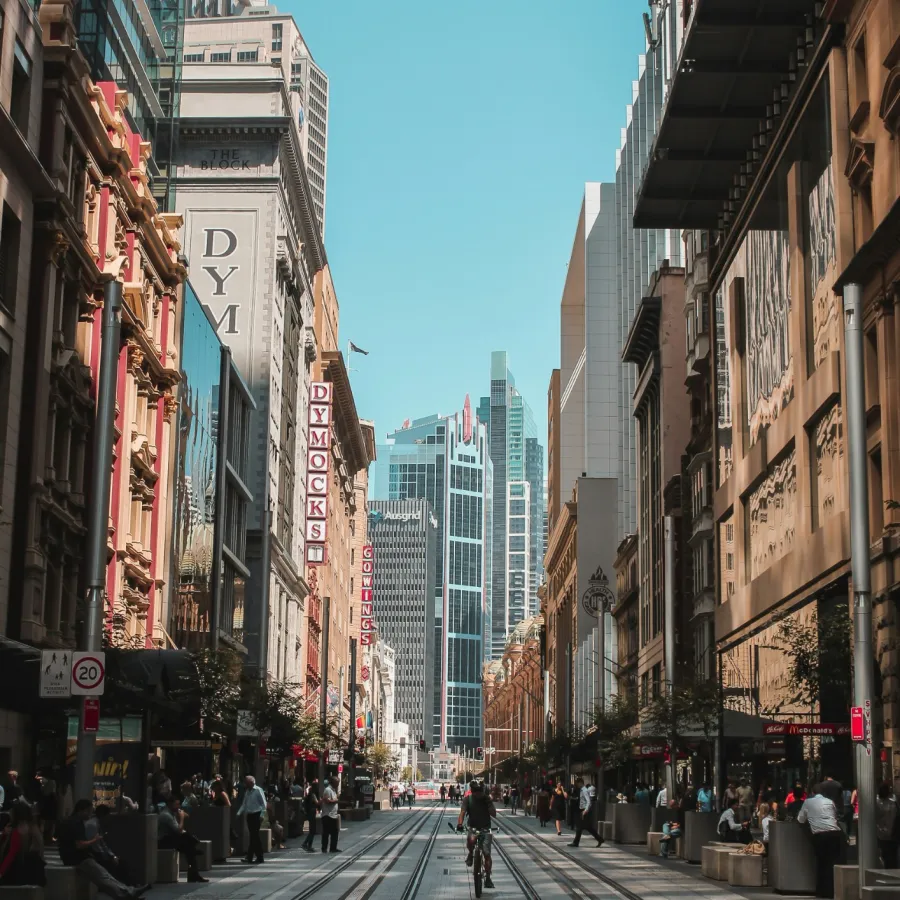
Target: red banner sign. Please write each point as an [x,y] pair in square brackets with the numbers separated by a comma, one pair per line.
[806,729]
[857,724]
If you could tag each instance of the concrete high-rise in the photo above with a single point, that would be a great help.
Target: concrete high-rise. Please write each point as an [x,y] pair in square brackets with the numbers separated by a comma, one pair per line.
[403,534]
[251,33]
[518,503]
[445,460]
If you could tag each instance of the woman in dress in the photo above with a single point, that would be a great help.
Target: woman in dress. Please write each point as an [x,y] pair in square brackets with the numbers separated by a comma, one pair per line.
[543,805]
[558,807]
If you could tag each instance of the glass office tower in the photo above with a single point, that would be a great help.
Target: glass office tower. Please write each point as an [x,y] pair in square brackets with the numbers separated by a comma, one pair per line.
[518,505]
[445,460]
[138,45]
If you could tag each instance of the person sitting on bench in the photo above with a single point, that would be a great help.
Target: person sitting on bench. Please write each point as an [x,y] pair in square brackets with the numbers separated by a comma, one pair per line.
[171,836]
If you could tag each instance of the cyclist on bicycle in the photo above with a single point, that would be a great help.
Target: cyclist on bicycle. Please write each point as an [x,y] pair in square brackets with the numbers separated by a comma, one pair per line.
[480,809]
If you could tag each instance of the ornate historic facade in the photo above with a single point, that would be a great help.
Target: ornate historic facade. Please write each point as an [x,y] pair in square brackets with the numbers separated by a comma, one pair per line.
[101,223]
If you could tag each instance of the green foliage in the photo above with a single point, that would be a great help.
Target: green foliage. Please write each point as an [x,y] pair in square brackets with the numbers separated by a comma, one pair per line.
[509,767]
[613,726]
[380,759]
[219,676]
[688,708]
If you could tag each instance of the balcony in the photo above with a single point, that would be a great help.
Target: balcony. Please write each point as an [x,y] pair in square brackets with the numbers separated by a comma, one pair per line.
[704,603]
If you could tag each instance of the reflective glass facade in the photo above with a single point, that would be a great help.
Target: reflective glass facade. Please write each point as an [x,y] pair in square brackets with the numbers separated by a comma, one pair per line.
[437,459]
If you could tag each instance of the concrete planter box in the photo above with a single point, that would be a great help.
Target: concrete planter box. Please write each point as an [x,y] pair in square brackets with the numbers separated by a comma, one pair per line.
[132,837]
[167,867]
[659,816]
[242,835]
[699,830]
[846,883]
[630,822]
[881,878]
[213,824]
[604,829]
[792,862]
[65,883]
[745,870]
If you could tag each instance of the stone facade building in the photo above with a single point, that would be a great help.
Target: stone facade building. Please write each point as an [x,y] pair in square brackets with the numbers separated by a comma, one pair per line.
[798,202]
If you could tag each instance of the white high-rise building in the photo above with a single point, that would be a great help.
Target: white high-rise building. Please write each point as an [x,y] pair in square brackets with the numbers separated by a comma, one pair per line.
[236,31]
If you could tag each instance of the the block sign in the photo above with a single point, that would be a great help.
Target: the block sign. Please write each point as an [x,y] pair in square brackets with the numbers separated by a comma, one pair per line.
[318,463]
[367,611]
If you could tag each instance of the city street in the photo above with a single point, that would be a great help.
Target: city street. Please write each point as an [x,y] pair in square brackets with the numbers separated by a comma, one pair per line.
[409,854]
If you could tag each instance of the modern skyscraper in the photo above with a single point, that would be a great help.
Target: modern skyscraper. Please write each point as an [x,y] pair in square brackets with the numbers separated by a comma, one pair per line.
[445,460]
[249,32]
[518,503]
[403,534]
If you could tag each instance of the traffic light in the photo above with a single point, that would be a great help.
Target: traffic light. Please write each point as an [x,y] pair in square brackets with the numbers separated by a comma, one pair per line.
[479,753]
[422,744]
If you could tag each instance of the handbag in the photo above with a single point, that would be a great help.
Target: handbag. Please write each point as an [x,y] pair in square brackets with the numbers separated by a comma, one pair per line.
[754,848]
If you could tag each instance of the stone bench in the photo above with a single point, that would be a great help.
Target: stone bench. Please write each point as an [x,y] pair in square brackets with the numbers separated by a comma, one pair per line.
[714,862]
[21,892]
[204,856]
[881,878]
[745,870]
[846,883]
[166,867]
[654,839]
[65,883]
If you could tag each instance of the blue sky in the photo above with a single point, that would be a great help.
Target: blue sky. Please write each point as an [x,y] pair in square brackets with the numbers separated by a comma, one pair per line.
[460,136]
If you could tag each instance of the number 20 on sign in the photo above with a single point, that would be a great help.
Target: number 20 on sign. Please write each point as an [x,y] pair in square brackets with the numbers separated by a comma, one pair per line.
[88,673]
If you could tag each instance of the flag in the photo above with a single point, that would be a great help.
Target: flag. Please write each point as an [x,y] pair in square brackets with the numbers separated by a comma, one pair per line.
[355,349]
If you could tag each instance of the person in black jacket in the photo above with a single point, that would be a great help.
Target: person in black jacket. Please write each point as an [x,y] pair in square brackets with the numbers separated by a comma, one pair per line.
[834,791]
[311,805]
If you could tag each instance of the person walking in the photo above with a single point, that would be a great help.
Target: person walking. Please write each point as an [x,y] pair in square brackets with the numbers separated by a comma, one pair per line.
[887,823]
[558,807]
[311,806]
[253,806]
[410,795]
[443,794]
[745,799]
[514,798]
[583,821]
[794,800]
[330,825]
[828,838]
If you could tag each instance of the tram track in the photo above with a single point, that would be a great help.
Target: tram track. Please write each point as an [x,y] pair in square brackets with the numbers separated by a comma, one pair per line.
[519,835]
[328,875]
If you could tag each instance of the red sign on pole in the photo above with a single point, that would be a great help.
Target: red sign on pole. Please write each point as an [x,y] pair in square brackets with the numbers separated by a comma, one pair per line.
[857,724]
[91,715]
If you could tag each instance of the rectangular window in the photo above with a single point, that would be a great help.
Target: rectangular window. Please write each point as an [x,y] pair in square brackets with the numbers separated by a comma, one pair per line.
[248,56]
[20,92]
[10,236]
[276,36]
[222,56]
[194,57]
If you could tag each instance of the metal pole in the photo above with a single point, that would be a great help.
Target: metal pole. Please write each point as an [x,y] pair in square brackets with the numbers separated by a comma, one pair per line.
[863,674]
[98,513]
[352,741]
[323,699]
[669,614]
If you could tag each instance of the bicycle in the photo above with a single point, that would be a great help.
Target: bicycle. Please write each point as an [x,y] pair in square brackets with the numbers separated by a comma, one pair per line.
[477,853]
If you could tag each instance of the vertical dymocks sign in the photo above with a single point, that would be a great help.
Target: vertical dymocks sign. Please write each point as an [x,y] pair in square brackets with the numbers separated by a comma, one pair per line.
[367,613]
[317,466]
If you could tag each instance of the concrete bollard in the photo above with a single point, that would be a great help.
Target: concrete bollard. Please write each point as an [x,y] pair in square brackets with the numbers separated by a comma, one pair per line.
[166,867]
[846,883]
[745,870]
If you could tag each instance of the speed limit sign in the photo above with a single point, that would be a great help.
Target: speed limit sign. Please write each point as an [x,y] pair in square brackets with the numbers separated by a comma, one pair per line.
[88,673]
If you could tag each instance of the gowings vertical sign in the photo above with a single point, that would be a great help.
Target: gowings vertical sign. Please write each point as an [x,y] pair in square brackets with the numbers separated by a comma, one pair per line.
[367,611]
[318,463]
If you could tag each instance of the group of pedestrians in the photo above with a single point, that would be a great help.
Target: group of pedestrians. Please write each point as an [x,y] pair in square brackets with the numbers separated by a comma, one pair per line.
[399,793]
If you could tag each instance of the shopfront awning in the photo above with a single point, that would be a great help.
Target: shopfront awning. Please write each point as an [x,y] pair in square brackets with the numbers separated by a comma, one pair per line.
[736,54]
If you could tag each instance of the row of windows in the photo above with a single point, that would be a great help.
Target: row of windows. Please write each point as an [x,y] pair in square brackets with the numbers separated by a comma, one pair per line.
[465,564]
[465,612]
[466,516]
[463,478]
[465,660]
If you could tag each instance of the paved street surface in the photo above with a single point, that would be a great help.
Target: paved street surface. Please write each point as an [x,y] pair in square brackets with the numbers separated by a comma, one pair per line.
[413,854]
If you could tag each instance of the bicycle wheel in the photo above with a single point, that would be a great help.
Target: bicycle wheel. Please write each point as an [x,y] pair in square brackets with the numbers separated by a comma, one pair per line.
[476,872]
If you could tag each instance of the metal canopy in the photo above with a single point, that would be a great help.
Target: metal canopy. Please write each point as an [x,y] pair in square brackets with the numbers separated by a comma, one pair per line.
[736,53]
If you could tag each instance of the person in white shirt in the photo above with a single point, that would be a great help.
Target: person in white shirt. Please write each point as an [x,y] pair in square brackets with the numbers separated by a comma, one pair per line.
[330,825]
[765,820]
[730,827]
[828,839]
[662,798]
[253,807]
